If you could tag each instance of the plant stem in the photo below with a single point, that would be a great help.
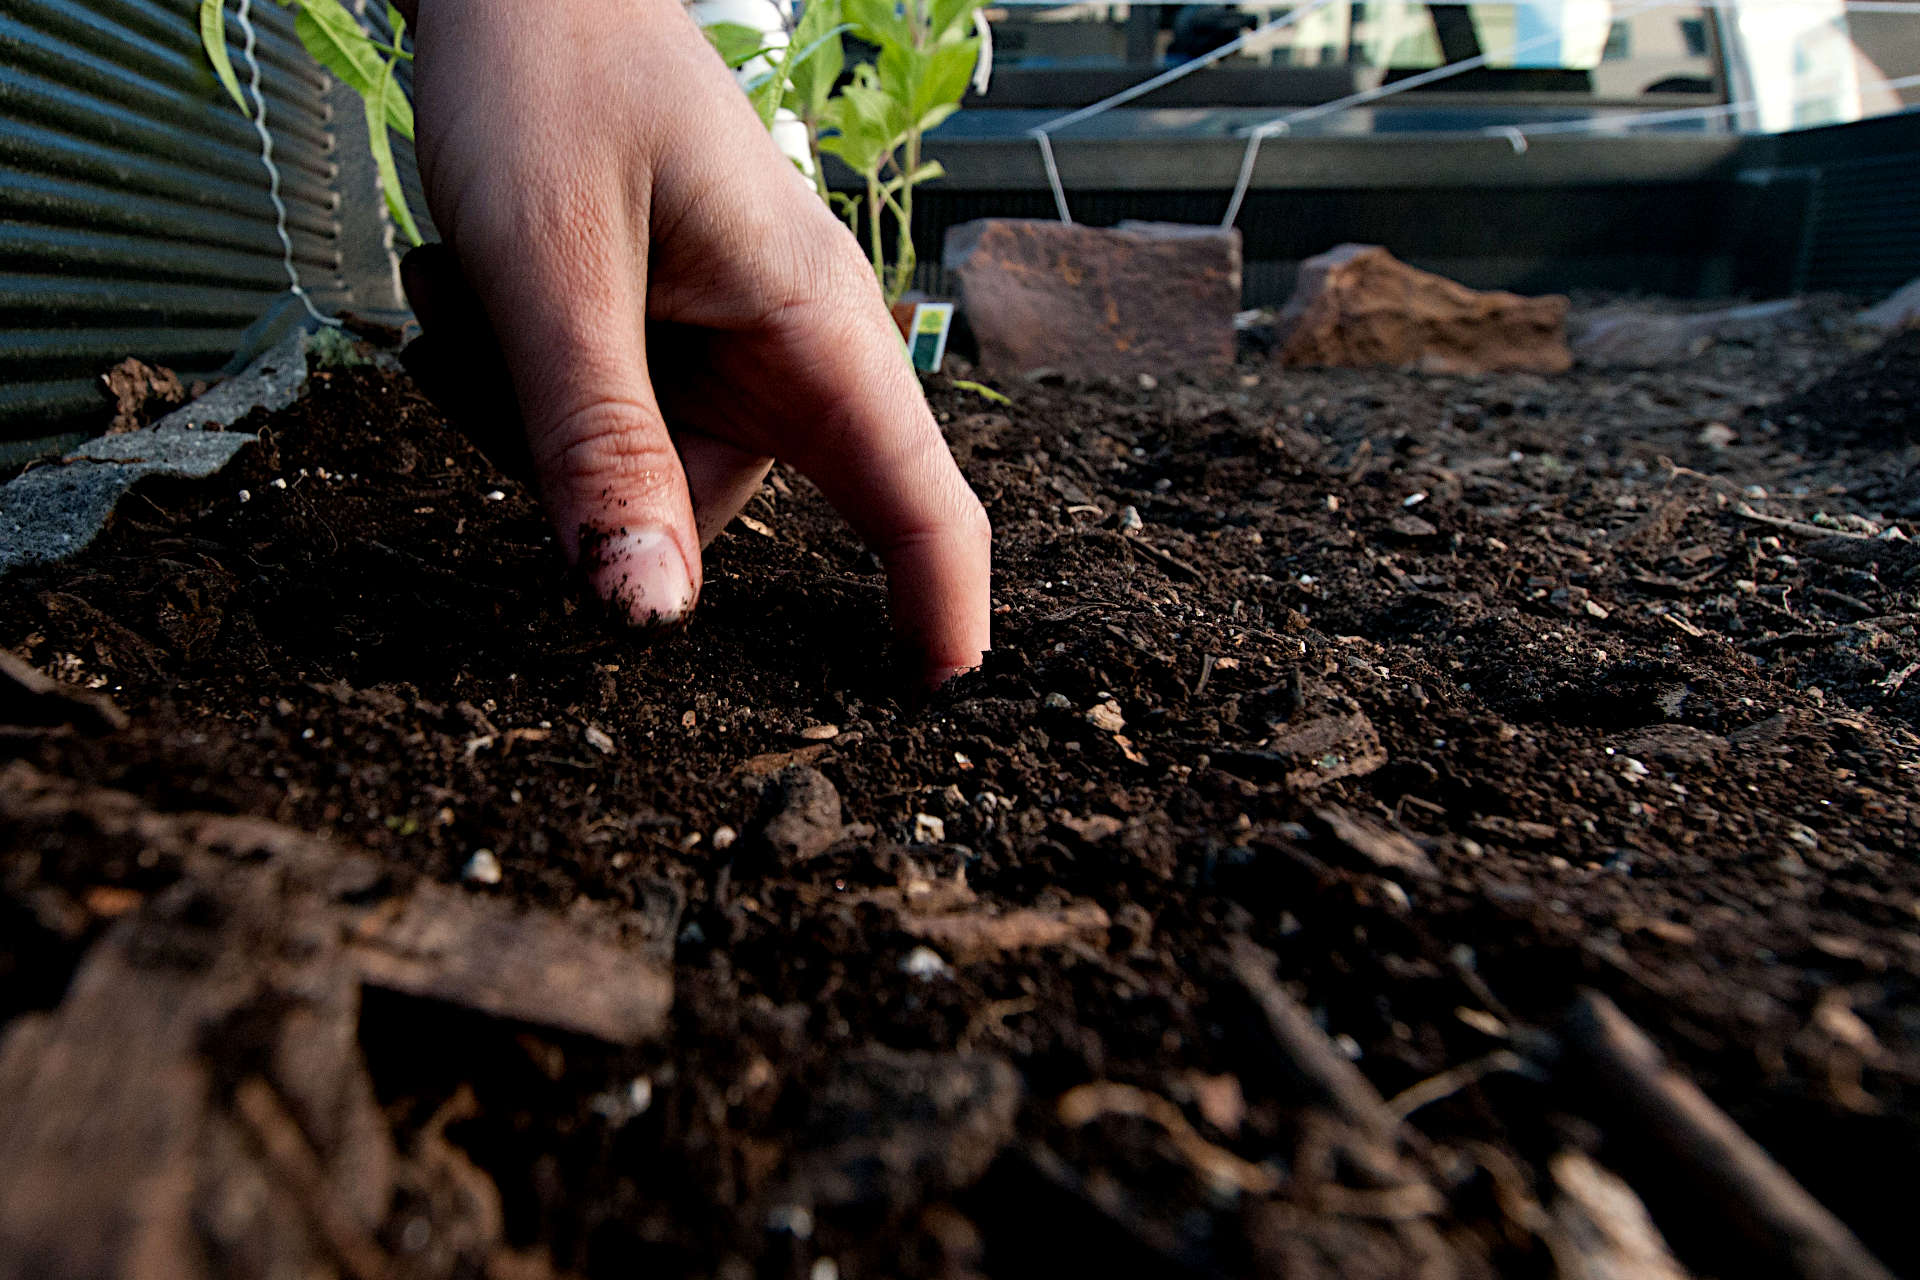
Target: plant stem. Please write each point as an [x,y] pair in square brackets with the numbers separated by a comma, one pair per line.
[873,228]
[819,165]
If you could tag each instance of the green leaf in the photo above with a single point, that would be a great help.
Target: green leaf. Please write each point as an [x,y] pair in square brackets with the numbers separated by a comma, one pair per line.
[382,147]
[946,72]
[396,23]
[947,16]
[213,38]
[816,68]
[736,42]
[879,22]
[983,391]
[937,117]
[338,42]
[925,173]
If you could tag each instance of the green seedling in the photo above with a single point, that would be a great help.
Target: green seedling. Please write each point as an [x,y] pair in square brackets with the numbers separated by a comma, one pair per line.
[983,391]
[926,55]
[339,43]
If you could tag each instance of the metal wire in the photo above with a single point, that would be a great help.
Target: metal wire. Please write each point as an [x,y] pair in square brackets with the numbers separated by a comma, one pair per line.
[1285,123]
[1518,134]
[1040,132]
[245,17]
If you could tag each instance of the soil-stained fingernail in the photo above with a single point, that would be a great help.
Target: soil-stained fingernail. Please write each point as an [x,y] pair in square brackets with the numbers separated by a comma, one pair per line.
[644,572]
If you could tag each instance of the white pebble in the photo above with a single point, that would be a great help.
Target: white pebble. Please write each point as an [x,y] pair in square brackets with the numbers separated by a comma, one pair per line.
[723,837]
[924,962]
[1106,717]
[928,829]
[496,495]
[599,739]
[481,868]
[820,732]
[245,496]
[278,482]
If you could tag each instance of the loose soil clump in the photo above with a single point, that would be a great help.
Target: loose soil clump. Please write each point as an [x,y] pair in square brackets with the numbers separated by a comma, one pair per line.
[1341,729]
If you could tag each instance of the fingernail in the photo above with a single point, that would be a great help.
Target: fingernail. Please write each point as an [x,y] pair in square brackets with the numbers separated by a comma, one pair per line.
[644,572]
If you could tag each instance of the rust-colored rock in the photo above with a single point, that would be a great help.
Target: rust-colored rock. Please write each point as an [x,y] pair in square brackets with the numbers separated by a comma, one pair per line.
[1094,301]
[1359,306]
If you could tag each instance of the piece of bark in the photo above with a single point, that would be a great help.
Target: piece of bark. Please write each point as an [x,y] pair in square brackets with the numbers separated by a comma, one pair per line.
[117,1156]
[108,1083]
[572,974]
[1308,756]
[967,935]
[1711,1160]
[1374,847]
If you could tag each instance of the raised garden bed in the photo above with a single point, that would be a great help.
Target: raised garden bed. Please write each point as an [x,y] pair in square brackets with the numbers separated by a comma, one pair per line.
[1436,699]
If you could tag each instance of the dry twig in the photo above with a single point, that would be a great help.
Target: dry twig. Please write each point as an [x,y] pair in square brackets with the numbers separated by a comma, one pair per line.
[1709,1152]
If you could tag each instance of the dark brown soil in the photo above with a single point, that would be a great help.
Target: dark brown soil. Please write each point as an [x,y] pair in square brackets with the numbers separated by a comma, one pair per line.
[1649,729]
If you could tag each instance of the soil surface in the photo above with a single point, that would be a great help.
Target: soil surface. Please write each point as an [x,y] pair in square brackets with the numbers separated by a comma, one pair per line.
[1440,699]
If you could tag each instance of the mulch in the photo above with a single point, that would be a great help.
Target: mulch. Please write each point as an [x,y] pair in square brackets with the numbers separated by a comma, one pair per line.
[1353,744]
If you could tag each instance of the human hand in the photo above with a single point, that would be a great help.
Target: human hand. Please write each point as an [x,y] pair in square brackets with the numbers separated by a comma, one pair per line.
[675,307]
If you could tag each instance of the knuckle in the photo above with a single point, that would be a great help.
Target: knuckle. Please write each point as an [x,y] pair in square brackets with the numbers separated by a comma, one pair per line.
[611,442]
[976,526]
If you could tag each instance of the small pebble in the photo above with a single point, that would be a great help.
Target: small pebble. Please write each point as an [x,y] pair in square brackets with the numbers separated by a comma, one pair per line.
[824,1269]
[1716,435]
[278,482]
[600,740]
[1414,499]
[246,496]
[1130,519]
[481,868]
[496,495]
[924,962]
[820,732]
[1148,382]
[1057,702]
[723,837]
[1106,717]
[928,829]
[793,1219]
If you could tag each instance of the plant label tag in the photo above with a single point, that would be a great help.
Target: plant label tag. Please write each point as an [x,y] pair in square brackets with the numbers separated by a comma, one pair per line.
[927,334]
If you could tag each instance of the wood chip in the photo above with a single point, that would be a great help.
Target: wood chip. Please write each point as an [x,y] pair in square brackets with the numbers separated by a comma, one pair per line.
[1377,848]
[1310,755]
[975,934]
[533,966]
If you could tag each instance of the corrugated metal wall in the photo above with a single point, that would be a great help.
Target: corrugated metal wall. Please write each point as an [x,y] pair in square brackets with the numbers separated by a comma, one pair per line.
[134,216]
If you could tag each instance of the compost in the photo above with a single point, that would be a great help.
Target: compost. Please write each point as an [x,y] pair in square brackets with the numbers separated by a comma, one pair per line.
[1350,743]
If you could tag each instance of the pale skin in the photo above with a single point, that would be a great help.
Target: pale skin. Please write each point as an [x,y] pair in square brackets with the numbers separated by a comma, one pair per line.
[606,187]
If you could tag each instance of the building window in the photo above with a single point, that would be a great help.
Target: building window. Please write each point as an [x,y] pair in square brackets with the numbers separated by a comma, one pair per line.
[1619,43]
[1694,32]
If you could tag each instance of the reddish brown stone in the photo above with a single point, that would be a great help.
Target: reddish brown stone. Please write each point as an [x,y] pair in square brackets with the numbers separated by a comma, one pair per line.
[1359,306]
[1093,301]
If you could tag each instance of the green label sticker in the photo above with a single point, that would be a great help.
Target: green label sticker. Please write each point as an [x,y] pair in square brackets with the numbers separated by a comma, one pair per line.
[929,326]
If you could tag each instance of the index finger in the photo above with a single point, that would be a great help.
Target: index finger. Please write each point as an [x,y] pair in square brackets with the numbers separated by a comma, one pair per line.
[856,424]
